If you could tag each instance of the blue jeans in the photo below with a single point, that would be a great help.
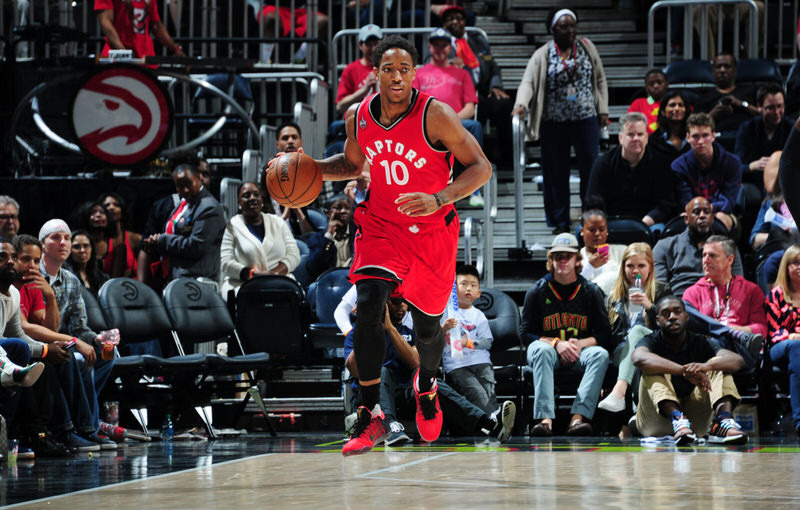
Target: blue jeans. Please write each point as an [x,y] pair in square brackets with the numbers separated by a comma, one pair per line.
[786,354]
[18,353]
[94,379]
[543,358]
[475,129]
[71,405]
[556,140]
[703,324]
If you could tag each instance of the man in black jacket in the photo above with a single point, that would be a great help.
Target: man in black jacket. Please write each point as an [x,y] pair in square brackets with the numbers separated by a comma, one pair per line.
[631,180]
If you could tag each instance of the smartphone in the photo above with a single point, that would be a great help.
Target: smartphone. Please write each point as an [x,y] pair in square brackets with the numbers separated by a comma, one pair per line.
[602,249]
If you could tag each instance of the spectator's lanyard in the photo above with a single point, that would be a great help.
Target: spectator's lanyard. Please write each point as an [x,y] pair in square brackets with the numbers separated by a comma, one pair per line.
[718,311]
[570,76]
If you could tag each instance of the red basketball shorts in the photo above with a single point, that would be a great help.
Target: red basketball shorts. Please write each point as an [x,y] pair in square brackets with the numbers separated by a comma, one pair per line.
[421,258]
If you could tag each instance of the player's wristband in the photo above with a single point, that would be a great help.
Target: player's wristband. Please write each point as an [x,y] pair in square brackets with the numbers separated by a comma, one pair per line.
[438,200]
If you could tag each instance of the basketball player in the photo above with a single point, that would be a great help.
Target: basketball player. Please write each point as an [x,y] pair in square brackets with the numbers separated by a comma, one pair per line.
[407,227]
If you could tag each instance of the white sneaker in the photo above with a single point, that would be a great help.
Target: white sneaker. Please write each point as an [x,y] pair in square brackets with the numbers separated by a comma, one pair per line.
[508,413]
[612,404]
[476,200]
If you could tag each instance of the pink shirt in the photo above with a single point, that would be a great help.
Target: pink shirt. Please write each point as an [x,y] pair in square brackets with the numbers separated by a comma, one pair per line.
[450,85]
[744,307]
[353,78]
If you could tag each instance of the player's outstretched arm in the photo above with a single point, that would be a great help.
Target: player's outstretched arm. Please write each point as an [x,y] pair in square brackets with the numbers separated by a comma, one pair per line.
[346,166]
[444,128]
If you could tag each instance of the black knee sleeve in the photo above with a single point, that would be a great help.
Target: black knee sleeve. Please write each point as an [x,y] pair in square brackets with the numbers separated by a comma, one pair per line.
[429,340]
[369,344]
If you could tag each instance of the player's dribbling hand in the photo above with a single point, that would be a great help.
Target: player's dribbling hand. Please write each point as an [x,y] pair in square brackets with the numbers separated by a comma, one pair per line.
[416,204]
[276,157]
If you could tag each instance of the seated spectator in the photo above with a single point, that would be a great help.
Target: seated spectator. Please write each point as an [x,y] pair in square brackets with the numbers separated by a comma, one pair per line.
[126,27]
[189,245]
[728,104]
[601,266]
[471,51]
[358,79]
[669,141]
[759,137]
[82,264]
[655,85]
[334,246]
[454,87]
[56,239]
[708,170]
[725,306]
[685,378]
[255,243]
[120,259]
[468,339]
[396,394]
[9,218]
[565,325]
[774,223]
[631,179]
[678,259]
[277,22]
[632,316]
[94,218]
[783,324]
[290,139]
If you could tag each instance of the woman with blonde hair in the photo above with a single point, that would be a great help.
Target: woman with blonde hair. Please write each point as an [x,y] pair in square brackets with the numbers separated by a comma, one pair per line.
[632,316]
[783,324]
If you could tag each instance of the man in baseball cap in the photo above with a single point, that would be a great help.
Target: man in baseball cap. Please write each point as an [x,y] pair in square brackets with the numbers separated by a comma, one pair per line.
[565,324]
[358,79]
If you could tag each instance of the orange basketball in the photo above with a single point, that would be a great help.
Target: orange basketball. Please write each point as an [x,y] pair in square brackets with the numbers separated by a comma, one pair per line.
[294,180]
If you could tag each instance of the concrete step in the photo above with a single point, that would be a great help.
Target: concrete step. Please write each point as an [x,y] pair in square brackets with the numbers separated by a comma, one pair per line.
[540,15]
[576,5]
[586,28]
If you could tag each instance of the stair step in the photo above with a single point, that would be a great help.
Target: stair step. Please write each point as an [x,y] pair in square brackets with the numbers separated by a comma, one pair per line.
[540,15]
[575,6]
[587,28]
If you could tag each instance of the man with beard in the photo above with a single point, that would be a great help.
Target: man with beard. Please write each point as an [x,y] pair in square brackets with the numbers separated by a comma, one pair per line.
[679,259]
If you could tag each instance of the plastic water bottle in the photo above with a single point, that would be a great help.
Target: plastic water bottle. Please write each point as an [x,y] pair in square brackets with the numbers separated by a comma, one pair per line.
[633,308]
[167,429]
[456,345]
[604,139]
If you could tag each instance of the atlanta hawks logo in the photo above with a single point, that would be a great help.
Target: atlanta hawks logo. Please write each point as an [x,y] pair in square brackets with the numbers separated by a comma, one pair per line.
[121,115]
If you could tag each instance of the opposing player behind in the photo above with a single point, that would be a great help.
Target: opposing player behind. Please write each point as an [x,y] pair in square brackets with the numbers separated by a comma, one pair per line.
[407,227]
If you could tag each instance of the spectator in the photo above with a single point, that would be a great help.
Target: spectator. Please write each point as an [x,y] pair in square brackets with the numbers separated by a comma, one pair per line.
[631,179]
[400,361]
[471,51]
[277,22]
[82,263]
[565,325]
[730,106]
[94,218]
[685,378]
[290,139]
[761,136]
[774,222]
[358,79]
[783,324]
[189,246]
[9,218]
[56,239]
[602,265]
[346,309]
[255,243]
[678,258]
[469,369]
[655,86]
[670,140]
[708,170]
[628,325]
[453,86]
[127,24]
[564,90]
[37,298]
[725,306]
[120,259]
[334,246]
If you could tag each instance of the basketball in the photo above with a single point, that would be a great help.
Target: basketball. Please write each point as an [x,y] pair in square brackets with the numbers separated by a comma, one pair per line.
[294,180]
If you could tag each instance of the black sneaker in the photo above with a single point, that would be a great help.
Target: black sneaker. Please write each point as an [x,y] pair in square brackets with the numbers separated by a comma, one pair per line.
[105,443]
[45,445]
[751,342]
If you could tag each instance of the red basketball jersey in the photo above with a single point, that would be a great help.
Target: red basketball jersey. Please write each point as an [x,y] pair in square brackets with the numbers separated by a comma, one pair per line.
[402,158]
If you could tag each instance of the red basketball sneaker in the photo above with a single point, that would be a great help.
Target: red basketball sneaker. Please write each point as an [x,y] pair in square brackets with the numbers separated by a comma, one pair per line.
[370,430]
[429,414]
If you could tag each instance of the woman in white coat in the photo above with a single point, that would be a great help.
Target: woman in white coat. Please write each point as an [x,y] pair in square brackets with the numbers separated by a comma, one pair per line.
[255,243]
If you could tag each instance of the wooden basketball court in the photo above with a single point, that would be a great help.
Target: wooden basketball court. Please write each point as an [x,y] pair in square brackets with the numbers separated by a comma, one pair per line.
[309,472]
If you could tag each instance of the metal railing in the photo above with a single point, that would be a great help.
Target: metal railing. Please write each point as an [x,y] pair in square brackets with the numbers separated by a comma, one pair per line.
[695,14]
[518,132]
[484,232]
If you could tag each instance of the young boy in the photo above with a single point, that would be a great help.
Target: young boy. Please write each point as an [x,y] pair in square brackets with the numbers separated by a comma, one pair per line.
[469,368]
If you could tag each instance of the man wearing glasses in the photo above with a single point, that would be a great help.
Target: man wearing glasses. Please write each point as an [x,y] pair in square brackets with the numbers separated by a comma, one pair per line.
[9,218]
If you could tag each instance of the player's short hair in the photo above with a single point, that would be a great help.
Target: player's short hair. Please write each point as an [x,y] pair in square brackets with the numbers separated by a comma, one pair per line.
[290,124]
[700,119]
[394,41]
[468,269]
